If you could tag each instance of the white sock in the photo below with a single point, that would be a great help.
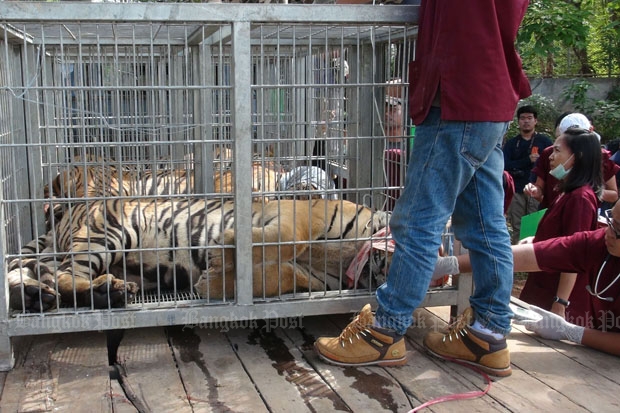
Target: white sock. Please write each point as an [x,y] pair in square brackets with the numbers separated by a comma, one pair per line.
[478,327]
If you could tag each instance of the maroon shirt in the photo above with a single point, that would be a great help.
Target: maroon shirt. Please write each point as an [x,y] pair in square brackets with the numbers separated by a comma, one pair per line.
[572,212]
[584,253]
[468,48]
[509,190]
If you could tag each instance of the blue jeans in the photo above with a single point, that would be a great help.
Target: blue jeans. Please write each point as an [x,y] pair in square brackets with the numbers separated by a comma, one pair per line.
[455,170]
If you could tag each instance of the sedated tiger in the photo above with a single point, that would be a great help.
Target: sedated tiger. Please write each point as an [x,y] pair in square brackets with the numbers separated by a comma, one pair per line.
[179,242]
[91,181]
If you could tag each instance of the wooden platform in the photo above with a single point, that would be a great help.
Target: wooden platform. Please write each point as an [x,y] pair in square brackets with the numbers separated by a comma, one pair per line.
[271,368]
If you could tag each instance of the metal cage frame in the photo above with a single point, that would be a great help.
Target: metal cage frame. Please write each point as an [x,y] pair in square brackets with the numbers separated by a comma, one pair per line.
[205,38]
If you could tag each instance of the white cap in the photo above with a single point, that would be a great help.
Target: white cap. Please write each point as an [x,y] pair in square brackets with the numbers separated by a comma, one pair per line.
[574,120]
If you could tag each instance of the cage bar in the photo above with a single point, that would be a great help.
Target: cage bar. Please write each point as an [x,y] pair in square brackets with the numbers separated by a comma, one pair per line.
[203,140]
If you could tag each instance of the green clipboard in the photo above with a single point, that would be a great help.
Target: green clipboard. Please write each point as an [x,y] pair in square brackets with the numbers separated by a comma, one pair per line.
[529,223]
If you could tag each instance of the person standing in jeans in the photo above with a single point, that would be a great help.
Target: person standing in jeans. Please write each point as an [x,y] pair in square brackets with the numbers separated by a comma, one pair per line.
[520,155]
[464,87]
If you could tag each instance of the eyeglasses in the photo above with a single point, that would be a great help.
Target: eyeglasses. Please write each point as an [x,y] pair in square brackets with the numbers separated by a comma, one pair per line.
[610,221]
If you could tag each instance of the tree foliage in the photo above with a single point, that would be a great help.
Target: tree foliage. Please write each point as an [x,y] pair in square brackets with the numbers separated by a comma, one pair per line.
[571,37]
[605,114]
[574,38]
[609,37]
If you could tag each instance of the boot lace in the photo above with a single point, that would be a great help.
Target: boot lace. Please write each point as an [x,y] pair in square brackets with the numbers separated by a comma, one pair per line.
[354,329]
[457,329]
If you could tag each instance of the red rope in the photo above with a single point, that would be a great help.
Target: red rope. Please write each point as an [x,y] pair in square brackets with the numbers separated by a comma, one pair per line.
[458,396]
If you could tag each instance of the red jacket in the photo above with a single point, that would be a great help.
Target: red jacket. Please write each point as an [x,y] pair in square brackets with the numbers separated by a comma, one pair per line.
[468,48]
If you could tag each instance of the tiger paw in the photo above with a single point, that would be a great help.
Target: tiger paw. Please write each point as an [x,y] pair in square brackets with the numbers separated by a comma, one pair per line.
[221,260]
[109,291]
[214,285]
[227,237]
[37,296]
[202,286]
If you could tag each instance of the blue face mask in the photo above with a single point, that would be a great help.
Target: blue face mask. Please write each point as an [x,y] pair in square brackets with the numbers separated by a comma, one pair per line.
[559,172]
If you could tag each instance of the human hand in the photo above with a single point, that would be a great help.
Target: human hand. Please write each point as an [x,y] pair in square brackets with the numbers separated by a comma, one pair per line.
[445,265]
[532,190]
[527,240]
[534,157]
[552,326]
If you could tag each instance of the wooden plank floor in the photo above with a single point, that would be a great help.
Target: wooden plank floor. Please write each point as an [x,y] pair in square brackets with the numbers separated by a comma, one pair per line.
[273,369]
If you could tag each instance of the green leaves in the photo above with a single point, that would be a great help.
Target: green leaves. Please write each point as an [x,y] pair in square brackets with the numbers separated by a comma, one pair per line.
[571,37]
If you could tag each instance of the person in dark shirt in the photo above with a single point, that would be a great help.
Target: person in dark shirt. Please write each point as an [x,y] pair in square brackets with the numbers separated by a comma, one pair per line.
[520,155]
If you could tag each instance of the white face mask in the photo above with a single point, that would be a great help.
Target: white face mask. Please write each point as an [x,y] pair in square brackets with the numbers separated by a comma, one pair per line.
[559,172]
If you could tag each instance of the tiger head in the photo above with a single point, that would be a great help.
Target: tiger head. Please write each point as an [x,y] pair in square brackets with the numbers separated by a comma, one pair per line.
[84,181]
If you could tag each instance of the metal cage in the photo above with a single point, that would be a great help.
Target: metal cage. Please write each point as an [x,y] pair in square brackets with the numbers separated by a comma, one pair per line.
[176,104]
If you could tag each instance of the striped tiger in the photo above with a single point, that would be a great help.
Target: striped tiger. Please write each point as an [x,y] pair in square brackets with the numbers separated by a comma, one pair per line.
[167,240]
[99,181]
[92,181]
[108,181]
[96,181]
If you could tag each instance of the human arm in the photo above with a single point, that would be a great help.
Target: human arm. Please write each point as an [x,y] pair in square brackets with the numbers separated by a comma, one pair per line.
[602,341]
[524,260]
[535,190]
[527,240]
[610,169]
[554,327]
[610,191]
[523,255]
[565,288]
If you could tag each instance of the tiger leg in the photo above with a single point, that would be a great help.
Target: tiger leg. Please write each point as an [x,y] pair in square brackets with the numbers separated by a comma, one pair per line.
[26,292]
[31,278]
[109,291]
[284,278]
[214,285]
[104,291]
[282,242]
[76,284]
[276,246]
[273,279]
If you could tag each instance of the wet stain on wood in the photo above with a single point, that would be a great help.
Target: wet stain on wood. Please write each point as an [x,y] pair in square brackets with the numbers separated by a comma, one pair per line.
[188,344]
[374,385]
[309,340]
[307,382]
